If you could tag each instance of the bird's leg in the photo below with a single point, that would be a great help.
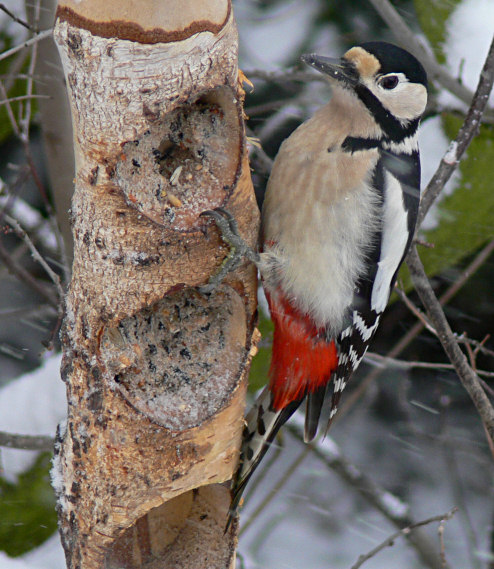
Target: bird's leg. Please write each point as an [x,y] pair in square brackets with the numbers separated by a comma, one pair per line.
[238,247]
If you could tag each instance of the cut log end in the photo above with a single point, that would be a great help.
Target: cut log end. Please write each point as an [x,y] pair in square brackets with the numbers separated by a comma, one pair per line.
[185,532]
[147,22]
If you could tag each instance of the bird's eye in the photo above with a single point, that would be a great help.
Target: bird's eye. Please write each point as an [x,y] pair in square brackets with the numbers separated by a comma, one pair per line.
[389,82]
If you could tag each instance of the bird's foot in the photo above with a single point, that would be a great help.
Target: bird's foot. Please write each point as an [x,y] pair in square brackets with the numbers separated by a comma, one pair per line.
[238,247]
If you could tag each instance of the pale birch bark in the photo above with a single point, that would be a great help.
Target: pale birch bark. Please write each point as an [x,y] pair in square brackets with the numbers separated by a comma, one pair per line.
[155,371]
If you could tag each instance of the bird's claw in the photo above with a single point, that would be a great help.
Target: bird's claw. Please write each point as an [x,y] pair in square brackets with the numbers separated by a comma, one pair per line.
[239,249]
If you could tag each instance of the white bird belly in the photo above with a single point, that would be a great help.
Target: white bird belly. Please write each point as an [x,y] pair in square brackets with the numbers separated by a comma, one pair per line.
[318,257]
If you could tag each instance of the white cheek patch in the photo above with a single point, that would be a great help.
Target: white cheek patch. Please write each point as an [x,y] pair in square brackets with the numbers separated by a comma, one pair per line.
[407,101]
[394,240]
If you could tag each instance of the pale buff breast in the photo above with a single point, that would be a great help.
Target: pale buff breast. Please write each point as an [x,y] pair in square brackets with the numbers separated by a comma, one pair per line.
[319,212]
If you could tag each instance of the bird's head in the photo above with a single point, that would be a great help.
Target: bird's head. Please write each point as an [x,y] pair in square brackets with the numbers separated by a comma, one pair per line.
[379,71]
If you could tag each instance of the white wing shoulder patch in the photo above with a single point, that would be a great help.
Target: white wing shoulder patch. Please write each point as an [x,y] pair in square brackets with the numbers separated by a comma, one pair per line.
[393,244]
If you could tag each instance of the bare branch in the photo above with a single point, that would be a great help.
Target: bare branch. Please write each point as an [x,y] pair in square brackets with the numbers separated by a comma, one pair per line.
[23,98]
[414,310]
[404,533]
[15,18]
[38,37]
[393,509]
[8,107]
[284,76]
[468,377]
[386,361]
[26,277]
[25,123]
[26,442]
[30,219]
[36,254]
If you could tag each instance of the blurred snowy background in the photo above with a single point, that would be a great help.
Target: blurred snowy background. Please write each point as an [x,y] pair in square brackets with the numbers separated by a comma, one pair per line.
[410,432]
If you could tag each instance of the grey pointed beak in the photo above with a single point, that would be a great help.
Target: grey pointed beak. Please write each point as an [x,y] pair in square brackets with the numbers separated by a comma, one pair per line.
[338,69]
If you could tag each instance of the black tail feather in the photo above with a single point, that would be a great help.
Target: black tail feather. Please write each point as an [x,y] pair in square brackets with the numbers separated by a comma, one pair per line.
[315,400]
[263,423]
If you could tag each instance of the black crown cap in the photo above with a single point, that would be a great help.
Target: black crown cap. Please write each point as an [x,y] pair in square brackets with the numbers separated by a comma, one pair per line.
[394,59]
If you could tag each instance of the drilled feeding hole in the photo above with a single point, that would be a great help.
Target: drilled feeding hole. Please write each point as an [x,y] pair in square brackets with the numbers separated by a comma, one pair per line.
[179,360]
[187,161]
[185,532]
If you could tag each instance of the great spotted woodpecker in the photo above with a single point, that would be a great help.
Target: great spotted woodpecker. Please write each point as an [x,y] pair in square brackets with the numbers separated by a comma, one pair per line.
[338,219]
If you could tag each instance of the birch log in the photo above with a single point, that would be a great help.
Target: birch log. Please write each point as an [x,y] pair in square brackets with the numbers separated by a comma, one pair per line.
[155,371]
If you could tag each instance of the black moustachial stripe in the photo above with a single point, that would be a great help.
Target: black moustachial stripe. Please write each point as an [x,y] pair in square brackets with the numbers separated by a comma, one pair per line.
[354,144]
[393,128]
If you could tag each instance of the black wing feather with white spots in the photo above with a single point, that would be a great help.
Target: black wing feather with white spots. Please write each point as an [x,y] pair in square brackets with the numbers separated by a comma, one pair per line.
[352,344]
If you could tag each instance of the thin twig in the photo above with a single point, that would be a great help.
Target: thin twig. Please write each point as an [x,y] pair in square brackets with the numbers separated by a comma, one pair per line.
[26,442]
[415,310]
[263,108]
[26,277]
[15,18]
[30,219]
[404,533]
[276,488]
[284,76]
[23,134]
[25,124]
[463,339]
[386,361]
[36,254]
[15,67]
[391,507]
[38,37]
[23,98]
[26,120]
[10,112]
[467,376]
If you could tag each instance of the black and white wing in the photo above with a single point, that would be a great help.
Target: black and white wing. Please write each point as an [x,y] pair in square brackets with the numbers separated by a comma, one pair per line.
[396,181]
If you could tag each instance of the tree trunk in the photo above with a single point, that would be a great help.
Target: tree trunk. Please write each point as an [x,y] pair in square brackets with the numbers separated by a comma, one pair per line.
[155,370]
